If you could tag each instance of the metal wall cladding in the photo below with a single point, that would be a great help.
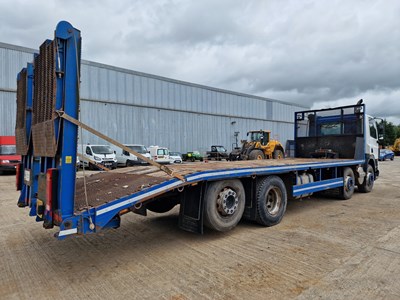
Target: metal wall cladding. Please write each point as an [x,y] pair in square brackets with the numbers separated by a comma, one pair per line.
[8,113]
[11,62]
[135,107]
[178,131]
[115,85]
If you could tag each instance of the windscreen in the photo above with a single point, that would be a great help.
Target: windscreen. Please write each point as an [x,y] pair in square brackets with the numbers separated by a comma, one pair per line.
[138,148]
[8,150]
[102,149]
[221,149]
[255,136]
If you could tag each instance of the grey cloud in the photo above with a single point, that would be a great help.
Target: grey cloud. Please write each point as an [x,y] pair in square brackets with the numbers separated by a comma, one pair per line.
[317,53]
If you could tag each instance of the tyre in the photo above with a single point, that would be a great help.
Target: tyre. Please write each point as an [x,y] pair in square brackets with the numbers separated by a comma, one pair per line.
[347,191]
[278,154]
[369,180]
[256,155]
[224,204]
[201,159]
[271,201]
[161,205]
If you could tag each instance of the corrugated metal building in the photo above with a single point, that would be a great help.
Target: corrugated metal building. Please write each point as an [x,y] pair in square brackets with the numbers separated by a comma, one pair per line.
[135,107]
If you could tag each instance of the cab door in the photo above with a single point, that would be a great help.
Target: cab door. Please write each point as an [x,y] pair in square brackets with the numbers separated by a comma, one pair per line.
[372,138]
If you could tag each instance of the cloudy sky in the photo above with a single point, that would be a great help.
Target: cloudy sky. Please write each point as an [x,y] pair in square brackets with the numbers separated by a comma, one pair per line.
[317,53]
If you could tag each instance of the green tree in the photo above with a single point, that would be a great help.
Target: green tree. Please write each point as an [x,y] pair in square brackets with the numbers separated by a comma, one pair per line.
[397,131]
[391,132]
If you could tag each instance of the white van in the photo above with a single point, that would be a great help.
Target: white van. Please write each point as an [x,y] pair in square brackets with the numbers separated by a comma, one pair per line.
[160,154]
[101,154]
[124,158]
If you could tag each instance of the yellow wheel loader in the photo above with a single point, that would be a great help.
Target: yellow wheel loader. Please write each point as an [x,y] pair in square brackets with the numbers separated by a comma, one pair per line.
[258,146]
[396,147]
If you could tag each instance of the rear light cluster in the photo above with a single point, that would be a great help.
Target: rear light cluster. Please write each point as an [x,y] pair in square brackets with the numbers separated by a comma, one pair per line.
[49,190]
[19,177]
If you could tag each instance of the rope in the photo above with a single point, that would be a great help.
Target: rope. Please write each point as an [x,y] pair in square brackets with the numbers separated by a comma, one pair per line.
[91,224]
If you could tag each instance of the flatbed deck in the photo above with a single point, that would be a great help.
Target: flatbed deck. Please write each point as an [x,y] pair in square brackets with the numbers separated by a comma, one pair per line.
[104,187]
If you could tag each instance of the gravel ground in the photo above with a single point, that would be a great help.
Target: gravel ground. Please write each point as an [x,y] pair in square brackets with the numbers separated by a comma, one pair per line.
[323,248]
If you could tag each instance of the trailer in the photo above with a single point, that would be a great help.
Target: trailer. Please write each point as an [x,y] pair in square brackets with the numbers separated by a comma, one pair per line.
[336,152]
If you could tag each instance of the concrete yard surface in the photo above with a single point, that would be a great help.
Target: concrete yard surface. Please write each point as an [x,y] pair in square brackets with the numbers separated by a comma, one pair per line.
[323,249]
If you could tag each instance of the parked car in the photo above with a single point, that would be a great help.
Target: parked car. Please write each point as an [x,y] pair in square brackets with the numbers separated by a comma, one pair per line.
[385,154]
[176,157]
[124,158]
[101,154]
[192,156]
[160,154]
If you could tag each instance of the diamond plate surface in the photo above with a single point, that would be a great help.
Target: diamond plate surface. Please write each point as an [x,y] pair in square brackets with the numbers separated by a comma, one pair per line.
[43,132]
[20,126]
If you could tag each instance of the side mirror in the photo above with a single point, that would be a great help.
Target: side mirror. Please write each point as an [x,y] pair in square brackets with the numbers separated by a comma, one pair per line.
[115,152]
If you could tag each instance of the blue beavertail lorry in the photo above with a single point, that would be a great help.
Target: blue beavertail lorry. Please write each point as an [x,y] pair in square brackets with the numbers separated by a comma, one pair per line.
[336,152]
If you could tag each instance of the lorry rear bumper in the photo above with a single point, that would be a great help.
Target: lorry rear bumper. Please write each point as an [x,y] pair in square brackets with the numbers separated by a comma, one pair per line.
[8,167]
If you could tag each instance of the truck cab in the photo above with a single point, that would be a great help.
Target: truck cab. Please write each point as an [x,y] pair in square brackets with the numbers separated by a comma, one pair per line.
[8,157]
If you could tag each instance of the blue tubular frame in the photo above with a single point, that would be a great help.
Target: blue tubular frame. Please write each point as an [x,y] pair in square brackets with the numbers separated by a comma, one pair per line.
[67,63]
[27,191]
[68,44]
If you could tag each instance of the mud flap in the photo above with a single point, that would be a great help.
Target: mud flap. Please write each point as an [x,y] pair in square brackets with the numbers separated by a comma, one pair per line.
[250,210]
[191,208]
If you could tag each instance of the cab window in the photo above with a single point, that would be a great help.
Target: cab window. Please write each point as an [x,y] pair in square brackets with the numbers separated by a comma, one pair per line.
[88,151]
[372,128]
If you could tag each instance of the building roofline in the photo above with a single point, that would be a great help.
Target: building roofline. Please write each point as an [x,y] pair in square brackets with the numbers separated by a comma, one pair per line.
[132,72]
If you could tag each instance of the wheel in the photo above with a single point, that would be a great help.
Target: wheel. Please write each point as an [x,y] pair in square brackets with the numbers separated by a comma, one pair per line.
[224,204]
[192,159]
[368,183]
[201,159]
[161,206]
[271,200]
[278,154]
[392,158]
[256,155]
[347,191]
